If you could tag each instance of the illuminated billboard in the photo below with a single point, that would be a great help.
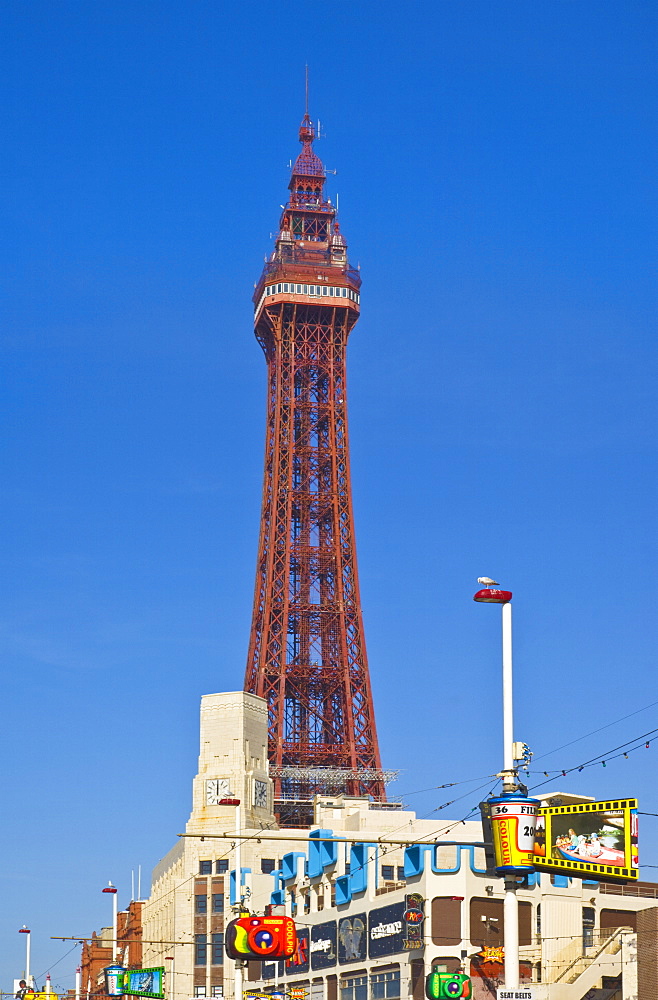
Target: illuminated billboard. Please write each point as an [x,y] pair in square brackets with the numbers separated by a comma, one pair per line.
[144,982]
[591,840]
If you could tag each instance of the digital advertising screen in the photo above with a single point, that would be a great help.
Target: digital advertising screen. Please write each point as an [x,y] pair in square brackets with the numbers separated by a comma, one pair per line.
[144,982]
[591,840]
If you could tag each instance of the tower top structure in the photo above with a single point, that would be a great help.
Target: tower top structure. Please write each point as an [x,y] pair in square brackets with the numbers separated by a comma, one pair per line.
[307,655]
[309,240]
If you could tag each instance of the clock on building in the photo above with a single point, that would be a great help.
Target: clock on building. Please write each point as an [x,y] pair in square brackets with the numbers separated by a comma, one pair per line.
[260,794]
[217,789]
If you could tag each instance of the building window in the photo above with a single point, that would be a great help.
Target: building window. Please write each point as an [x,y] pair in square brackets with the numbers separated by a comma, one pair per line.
[317,990]
[293,903]
[307,902]
[267,865]
[347,867]
[355,988]
[388,873]
[221,866]
[199,991]
[201,904]
[205,867]
[200,950]
[217,991]
[538,921]
[217,951]
[384,985]
[400,873]
[218,902]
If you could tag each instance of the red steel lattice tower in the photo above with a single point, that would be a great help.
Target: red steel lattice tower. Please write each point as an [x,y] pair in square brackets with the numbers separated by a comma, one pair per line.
[307,654]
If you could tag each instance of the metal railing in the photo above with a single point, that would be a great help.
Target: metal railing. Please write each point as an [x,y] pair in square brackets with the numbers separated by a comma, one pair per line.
[320,267]
[647,891]
[579,953]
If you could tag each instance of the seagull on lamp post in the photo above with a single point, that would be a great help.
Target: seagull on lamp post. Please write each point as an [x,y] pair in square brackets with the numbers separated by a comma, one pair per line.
[486,581]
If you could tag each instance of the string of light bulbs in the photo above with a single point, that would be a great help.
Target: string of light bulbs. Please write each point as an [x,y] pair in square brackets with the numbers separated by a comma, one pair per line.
[623,750]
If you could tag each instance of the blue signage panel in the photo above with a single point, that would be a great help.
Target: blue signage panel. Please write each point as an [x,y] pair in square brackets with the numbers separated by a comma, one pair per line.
[352,938]
[398,927]
[323,945]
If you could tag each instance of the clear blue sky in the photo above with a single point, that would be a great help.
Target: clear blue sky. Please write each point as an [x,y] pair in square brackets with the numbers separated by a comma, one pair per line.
[497,180]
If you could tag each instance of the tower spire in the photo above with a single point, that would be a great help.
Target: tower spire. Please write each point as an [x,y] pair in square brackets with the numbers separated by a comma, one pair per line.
[307,655]
[306,105]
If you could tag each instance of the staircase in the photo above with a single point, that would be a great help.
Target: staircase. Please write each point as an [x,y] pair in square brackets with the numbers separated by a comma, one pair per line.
[578,975]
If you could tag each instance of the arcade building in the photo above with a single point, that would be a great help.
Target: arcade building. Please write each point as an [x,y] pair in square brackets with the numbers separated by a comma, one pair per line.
[373,913]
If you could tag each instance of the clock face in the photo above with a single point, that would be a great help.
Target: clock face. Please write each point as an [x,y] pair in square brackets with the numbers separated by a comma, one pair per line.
[260,794]
[217,789]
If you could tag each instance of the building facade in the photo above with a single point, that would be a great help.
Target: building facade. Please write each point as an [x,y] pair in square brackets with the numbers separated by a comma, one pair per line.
[97,952]
[374,913]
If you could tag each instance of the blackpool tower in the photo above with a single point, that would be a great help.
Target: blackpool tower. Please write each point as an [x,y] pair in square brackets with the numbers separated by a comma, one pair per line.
[307,654]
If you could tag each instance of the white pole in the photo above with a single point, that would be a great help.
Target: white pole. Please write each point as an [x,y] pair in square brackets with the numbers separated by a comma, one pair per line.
[511,904]
[508,704]
[132,884]
[139,881]
[238,893]
[78,982]
[27,957]
[48,985]
[115,943]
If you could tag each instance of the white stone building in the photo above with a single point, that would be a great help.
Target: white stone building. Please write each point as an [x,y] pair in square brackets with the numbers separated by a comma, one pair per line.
[349,897]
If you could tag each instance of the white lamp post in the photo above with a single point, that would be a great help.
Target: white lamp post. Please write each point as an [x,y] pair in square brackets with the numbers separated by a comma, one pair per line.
[170,990]
[115,944]
[26,931]
[490,595]
[238,884]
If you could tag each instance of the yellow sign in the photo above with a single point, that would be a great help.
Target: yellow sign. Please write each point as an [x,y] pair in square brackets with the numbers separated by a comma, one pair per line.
[513,827]
[492,955]
[590,840]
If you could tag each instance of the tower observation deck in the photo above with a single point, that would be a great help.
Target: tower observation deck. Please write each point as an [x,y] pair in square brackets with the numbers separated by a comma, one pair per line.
[307,654]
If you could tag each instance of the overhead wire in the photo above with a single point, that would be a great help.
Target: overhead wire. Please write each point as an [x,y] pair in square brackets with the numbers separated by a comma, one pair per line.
[595,731]
[601,758]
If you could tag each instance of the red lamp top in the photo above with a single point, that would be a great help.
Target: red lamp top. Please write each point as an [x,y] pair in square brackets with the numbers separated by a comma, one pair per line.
[492,596]
[229,802]
[110,888]
[24,930]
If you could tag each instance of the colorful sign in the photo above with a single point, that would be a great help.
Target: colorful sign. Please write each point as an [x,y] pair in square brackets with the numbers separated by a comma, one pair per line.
[495,955]
[352,938]
[513,819]
[414,918]
[591,840]
[440,985]
[323,945]
[144,982]
[295,993]
[254,937]
[299,960]
[398,927]
[114,980]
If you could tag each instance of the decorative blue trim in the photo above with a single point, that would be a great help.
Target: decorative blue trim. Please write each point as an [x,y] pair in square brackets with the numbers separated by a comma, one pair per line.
[289,865]
[322,854]
[343,891]
[414,859]
[359,867]
[233,895]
